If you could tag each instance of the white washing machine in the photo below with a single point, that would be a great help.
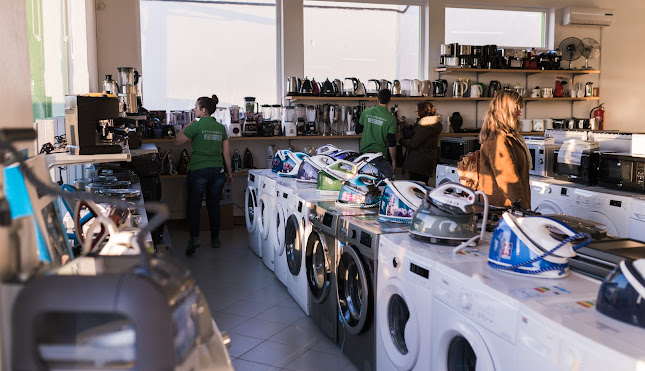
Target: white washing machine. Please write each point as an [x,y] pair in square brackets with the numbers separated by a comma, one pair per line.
[473,328]
[551,196]
[267,210]
[298,227]
[251,210]
[283,195]
[446,173]
[637,219]
[605,206]
[568,333]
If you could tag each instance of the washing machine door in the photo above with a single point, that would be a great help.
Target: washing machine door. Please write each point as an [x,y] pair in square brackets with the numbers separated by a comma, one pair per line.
[265,212]
[318,263]
[250,208]
[353,289]
[293,244]
[546,207]
[599,217]
[399,326]
[278,243]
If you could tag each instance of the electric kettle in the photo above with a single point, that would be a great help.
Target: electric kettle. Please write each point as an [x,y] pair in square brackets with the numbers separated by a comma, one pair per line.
[327,89]
[384,84]
[315,87]
[349,88]
[459,89]
[359,88]
[425,87]
[493,88]
[396,88]
[293,85]
[338,87]
[439,88]
[306,88]
[373,87]
[415,88]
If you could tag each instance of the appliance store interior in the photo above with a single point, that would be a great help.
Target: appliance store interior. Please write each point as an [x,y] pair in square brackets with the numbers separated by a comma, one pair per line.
[322,185]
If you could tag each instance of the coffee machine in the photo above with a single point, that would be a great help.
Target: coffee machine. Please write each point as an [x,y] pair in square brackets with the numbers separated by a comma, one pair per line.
[128,79]
[89,125]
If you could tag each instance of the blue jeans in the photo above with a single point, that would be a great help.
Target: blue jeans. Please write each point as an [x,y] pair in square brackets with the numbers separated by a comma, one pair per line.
[211,181]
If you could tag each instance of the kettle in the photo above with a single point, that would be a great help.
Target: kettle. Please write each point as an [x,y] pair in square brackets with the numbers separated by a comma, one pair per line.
[425,87]
[384,84]
[328,89]
[396,88]
[110,86]
[306,88]
[439,88]
[338,87]
[373,87]
[293,85]
[349,88]
[459,89]
[359,88]
[315,87]
[415,88]
[493,88]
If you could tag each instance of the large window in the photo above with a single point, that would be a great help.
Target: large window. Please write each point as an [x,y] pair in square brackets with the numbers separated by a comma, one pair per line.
[200,48]
[363,40]
[501,27]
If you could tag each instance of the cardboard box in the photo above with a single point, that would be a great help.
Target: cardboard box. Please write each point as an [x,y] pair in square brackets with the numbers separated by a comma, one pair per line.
[226,217]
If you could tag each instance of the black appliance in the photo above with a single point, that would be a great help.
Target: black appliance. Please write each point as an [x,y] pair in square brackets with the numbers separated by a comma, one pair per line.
[560,123]
[493,88]
[89,125]
[599,258]
[266,129]
[477,56]
[585,173]
[451,150]
[327,89]
[310,128]
[622,171]
[439,88]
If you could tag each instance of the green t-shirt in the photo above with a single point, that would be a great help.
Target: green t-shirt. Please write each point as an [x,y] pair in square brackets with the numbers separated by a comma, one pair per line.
[377,123]
[206,136]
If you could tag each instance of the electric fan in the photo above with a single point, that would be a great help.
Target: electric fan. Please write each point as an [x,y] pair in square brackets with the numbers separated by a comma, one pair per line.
[590,50]
[571,49]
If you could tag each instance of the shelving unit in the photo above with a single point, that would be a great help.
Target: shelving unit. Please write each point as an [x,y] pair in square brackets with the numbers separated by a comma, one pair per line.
[516,70]
[183,176]
[65,158]
[448,99]
[302,137]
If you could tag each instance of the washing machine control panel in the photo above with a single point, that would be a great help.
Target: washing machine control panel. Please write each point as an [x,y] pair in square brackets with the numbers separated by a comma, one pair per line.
[473,300]
[419,272]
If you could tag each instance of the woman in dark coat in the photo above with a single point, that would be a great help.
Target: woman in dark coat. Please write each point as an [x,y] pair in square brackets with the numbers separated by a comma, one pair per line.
[422,147]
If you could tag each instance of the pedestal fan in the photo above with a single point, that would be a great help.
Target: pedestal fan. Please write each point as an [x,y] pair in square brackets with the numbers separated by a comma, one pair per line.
[571,49]
[590,50]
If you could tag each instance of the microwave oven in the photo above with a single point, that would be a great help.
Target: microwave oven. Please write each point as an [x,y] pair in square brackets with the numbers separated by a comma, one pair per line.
[542,155]
[622,171]
[452,149]
[585,173]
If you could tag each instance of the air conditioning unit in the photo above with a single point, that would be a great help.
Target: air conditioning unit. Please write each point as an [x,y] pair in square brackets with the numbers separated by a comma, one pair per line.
[587,16]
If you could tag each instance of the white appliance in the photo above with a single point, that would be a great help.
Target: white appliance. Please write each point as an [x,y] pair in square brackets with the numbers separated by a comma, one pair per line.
[267,209]
[605,206]
[446,173]
[251,208]
[298,228]
[637,219]
[471,325]
[280,268]
[551,196]
[587,16]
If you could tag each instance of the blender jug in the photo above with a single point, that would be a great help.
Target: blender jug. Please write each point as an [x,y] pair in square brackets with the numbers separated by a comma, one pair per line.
[251,107]
[267,112]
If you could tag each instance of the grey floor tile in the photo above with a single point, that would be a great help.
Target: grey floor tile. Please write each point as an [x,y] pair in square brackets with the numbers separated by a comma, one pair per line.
[289,303]
[281,314]
[294,335]
[325,345]
[274,354]
[306,322]
[350,367]
[242,365]
[271,294]
[312,360]
[227,321]
[217,302]
[247,308]
[259,329]
[241,344]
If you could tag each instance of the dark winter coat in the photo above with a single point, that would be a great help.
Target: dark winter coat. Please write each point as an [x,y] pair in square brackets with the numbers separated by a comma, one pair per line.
[423,146]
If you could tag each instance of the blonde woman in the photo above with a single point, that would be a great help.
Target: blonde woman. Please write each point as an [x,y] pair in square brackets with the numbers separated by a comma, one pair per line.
[505,160]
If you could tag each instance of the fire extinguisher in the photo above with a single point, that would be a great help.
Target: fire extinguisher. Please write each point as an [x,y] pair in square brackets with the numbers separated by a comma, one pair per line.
[599,114]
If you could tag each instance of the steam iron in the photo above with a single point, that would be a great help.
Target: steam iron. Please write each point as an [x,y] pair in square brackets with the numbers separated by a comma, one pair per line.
[248,159]
[360,191]
[331,177]
[621,293]
[448,216]
[534,245]
[310,166]
[236,160]
[400,200]
[291,164]
[327,149]
[345,155]
[278,159]
[375,164]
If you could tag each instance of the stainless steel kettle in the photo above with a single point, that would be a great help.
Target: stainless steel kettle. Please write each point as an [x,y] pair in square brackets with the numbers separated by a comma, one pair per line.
[359,88]
[396,88]
[385,84]
[293,85]
[459,89]
[350,86]
[338,87]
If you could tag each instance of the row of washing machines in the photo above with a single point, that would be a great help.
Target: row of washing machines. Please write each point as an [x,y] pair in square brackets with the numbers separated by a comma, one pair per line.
[623,213]
[391,302]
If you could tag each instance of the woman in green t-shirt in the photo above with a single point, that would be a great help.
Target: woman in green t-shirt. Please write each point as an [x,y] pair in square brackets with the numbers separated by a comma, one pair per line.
[209,169]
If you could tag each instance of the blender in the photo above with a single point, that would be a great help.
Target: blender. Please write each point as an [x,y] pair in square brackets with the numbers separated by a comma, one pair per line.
[276,119]
[310,125]
[301,113]
[235,129]
[290,129]
[266,128]
[251,107]
[128,78]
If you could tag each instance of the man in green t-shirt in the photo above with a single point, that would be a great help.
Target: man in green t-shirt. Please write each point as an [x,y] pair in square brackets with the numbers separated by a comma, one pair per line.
[378,127]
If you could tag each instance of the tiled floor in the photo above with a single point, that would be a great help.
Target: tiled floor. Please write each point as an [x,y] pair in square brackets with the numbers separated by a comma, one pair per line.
[268,329]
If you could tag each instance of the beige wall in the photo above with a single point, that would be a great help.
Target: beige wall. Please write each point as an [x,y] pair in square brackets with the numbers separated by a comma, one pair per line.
[118,36]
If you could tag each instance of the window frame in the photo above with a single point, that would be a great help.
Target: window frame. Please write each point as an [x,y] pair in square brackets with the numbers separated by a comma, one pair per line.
[549,26]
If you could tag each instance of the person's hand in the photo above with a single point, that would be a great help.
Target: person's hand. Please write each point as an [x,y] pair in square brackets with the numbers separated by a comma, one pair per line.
[229,179]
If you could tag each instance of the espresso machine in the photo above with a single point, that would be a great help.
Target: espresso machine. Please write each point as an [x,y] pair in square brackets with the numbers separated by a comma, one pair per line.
[129,94]
[90,125]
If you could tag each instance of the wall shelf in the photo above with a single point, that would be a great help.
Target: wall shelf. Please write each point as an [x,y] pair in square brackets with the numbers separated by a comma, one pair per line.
[301,137]
[183,176]
[511,70]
